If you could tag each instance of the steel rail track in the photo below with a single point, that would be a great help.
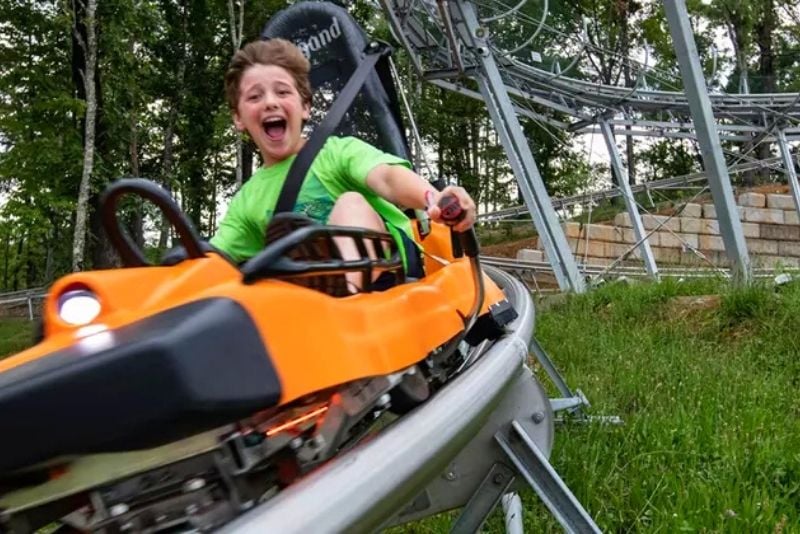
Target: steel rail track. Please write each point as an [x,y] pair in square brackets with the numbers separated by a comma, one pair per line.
[534,267]
[666,183]
[423,37]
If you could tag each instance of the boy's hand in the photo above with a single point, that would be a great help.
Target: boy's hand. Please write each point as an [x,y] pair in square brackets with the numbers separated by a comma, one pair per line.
[465,222]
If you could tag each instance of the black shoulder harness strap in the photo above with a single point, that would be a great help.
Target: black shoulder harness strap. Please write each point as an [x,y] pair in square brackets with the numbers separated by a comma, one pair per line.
[301,164]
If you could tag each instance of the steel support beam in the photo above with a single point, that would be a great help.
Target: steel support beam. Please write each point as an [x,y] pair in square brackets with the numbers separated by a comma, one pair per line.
[630,203]
[537,471]
[788,164]
[700,105]
[516,145]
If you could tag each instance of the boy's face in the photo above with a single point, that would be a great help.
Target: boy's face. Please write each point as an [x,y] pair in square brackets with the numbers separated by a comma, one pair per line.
[271,110]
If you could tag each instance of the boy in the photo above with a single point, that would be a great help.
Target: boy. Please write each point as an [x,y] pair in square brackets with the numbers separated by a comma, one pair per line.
[350,183]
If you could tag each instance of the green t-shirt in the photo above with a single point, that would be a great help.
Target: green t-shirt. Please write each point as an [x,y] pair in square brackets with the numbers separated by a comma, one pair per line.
[342,165]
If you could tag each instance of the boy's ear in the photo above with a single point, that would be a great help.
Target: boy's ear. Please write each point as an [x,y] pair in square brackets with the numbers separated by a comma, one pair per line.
[306,111]
[237,122]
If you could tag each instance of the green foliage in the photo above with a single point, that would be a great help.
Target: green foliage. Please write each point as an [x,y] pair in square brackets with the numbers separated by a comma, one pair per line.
[666,158]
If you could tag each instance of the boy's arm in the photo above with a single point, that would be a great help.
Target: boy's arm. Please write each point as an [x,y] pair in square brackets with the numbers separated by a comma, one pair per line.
[404,187]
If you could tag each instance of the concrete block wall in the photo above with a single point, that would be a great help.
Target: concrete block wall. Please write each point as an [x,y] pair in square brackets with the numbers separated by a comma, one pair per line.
[770,223]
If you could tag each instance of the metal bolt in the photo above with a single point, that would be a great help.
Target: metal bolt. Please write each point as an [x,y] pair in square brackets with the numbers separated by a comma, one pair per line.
[481,33]
[450,476]
[194,485]
[118,509]
[296,443]
[537,417]
[384,400]
[497,479]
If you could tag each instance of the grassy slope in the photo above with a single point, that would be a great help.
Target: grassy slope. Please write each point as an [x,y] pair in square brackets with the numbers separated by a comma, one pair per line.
[15,335]
[711,440]
[707,389]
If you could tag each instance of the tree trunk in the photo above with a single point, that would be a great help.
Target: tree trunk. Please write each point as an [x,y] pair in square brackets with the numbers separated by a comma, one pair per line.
[624,9]
[79,239]
[18,266]
[49,264]
[166,169]
[236,26]
[136,226]
[5,259]
[169,133]
[737,33]
[765,28]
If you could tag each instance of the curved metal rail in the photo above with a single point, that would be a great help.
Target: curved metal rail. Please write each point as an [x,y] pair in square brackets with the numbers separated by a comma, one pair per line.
[542,267]
[362,489]
[674,182]
[428,42]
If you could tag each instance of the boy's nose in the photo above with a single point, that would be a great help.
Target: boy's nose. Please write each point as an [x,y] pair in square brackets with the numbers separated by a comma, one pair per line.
[270,102]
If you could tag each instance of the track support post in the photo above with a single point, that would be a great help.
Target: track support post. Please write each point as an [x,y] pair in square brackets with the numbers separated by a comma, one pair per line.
[708,138]
[630,203]
[484,500]
[532,464]
[519,153]
[788,164]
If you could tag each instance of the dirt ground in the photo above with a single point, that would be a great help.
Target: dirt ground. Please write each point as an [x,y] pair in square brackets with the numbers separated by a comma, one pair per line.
[508,250]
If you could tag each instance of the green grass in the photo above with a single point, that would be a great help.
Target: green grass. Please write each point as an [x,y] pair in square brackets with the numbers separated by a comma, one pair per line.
[708,392]
[711,440]
[15,335]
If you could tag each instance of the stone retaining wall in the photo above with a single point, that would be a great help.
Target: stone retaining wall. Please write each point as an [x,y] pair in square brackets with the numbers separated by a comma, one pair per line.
[770,223]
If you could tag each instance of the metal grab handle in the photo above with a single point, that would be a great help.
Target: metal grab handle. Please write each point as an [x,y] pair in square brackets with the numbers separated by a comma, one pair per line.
[130,254]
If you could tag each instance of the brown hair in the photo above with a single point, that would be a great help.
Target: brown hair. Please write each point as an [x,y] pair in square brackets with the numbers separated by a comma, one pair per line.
[278,52]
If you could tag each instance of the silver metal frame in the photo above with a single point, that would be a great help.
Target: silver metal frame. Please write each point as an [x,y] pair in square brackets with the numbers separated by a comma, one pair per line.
[511,86]
[522,162]
[694,82]
[630,203]
[788,165]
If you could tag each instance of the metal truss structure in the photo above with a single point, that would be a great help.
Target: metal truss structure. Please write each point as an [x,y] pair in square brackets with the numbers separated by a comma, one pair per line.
[452,44]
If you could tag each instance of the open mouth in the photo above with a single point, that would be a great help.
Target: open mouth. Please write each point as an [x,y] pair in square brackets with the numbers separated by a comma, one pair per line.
[275,128]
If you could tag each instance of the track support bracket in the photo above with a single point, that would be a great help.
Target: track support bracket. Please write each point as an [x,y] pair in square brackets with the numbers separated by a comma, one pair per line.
[534,467]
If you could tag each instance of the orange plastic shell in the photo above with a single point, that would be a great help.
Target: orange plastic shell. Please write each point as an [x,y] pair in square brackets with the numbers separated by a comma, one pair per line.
[315,341]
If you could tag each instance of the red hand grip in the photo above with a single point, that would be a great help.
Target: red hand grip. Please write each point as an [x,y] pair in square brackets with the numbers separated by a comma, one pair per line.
[451,210]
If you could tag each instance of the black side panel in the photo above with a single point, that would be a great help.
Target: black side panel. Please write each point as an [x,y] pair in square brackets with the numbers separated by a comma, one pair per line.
[171,375]
[335,44]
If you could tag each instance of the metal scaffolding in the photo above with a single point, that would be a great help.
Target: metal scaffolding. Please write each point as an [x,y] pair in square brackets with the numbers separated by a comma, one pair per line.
[451,44]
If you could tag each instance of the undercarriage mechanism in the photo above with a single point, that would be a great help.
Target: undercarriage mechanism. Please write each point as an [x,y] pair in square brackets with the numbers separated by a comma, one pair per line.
[205,481]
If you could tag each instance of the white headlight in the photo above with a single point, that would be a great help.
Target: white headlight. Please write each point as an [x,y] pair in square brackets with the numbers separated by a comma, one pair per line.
[78,307]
